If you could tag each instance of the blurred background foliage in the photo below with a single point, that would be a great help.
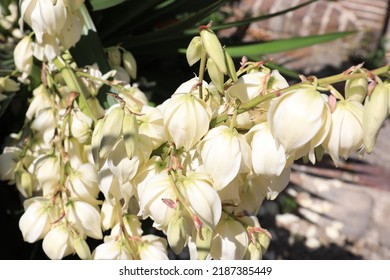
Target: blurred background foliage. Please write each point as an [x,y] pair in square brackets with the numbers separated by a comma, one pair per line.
[157,33]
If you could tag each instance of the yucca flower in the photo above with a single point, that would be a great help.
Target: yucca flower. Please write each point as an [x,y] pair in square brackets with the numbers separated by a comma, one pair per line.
[225,153]
[346,133]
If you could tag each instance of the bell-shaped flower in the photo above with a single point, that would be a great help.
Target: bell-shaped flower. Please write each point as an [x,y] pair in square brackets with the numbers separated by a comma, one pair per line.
[41,100]
[252,196]
[8,160]
[356,89]
[225,153]
[76,151]
[85,218]
[83,183]
[178,231]
[44,16]
[346,133]
[151,125]
[230,240]
[36,221]
[253,84]
[153,248]
[375,111]
[48,172]
[151,200]
[112,189]
[196,188]
[186,120]
[58,242]
[272,186]
[109,214]
[199,244]
[113,249]
[120,165]
[23,55]
[81,126]
[71,32]
[296,117]
[267,158]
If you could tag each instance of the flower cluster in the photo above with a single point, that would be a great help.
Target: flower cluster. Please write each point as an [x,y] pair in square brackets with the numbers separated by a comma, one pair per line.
[199,165]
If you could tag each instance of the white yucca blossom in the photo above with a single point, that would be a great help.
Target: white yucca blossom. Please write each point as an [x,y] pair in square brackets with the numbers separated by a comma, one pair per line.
[253,84]
[299,117]
[346,134]
[113,249]
[82,249]
[47,170]
[153,248]
[112,189]
[186,120]
[272,186]
[123,168]
[151,125]
[37,219]
[8,161]
[133,96]
[77,152]
[54,23]
[267,158]
[81,126]
[252,196]
[109,214]
[85,218]
[23,56]
[45,123]
[230,240]
[58,242]
[197,190]
[151,196]
[225,153]
[42,99]
[83,183]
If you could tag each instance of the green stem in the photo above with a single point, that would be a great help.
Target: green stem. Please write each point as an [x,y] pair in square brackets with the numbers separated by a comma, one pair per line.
[201,71]
[74,84]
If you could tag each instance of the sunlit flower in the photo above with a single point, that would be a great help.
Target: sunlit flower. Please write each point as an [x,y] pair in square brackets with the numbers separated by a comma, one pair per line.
[225,153]
[186,120]
[299,117]
[346,133]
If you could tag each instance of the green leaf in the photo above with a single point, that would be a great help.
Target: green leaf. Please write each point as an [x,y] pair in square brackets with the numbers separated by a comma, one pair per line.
[172,31]
[254,19]
[283,45]
[104,4]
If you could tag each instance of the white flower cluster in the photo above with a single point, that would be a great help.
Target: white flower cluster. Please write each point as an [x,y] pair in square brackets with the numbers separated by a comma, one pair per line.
[199,165]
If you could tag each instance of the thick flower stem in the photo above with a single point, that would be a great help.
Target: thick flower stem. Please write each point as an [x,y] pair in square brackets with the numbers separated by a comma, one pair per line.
[323,82]
[74,84]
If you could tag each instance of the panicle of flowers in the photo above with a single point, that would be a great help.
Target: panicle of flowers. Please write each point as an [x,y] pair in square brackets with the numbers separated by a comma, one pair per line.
[198,165]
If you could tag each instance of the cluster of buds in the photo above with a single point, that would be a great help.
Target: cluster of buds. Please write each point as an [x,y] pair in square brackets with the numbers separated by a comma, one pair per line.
[198,165]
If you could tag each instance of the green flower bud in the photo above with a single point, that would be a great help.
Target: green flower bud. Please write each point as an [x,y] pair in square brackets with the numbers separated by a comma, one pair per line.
[130,64]
[214,48]
[375,111]
[130,134]
[194,50]
[177,235]
[356,89]
[203,245]
[231,69]
[114,57]
[215,74]
[112,131]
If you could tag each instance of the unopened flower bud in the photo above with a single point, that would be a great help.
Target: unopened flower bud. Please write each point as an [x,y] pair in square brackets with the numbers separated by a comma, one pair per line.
[114,57]
[24,182]
[215,74]
[82,249]
[213,48]
[112,130]
[130,134]
[130,64]
[177,235]
[375,111]
[231,69]
[194,50]
[8,85]
[356,89]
